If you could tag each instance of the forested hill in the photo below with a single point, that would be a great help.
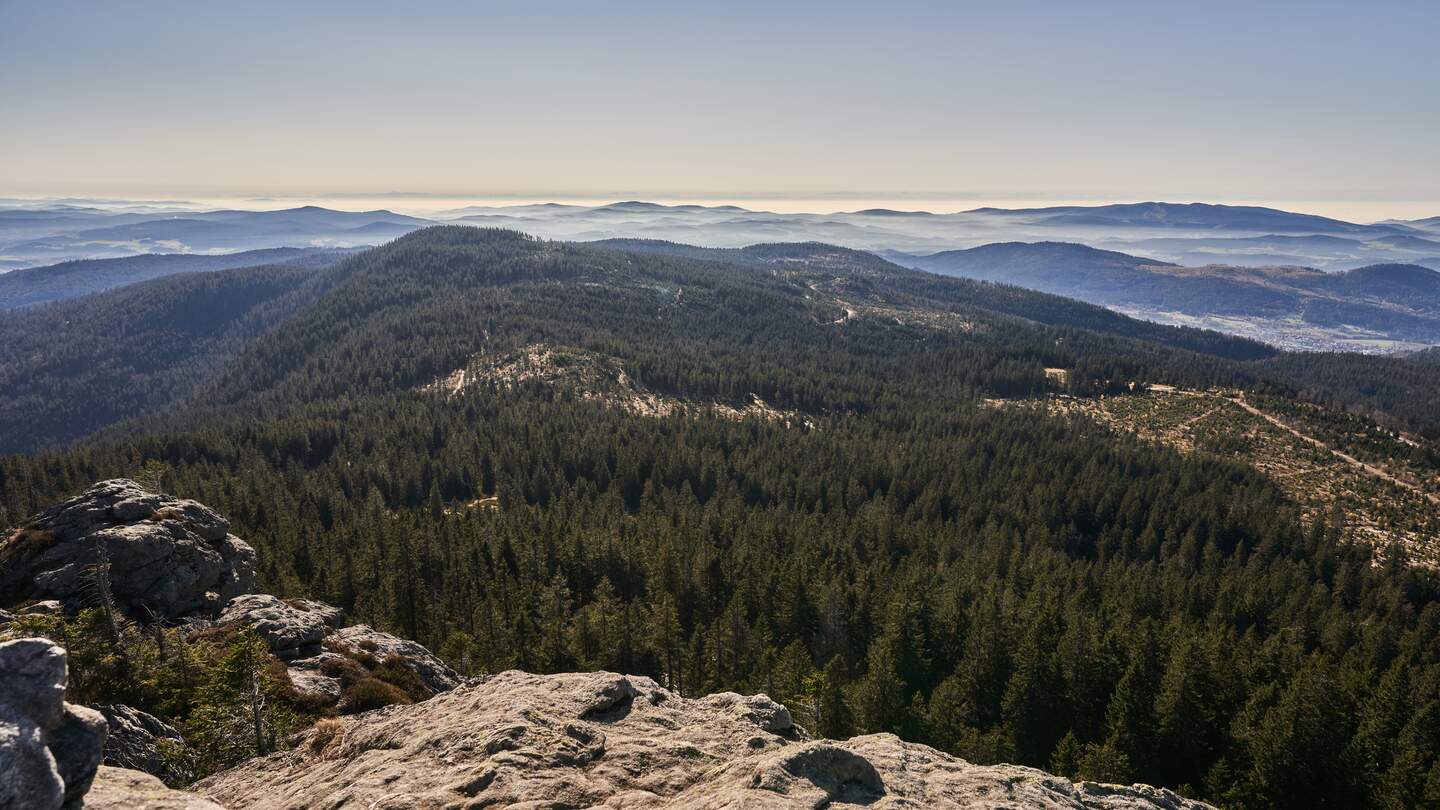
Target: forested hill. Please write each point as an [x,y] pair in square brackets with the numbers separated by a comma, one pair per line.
[699,324]
[69,368]
[59,282]
[999,298]
[775,472]
[398,316]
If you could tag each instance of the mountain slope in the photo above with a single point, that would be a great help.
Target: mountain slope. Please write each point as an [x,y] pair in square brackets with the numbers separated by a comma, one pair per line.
[1048,266]
[75,366]
[40,285]
[315,338]
[789,292]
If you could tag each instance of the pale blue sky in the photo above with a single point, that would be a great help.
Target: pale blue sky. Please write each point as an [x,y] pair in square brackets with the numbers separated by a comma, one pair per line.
[1237,101]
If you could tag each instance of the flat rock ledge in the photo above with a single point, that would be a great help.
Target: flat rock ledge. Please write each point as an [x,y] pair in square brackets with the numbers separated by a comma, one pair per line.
[124,789]
[607,740]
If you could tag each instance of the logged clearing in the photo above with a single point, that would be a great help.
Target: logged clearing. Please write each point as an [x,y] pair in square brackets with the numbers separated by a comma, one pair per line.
[852,304]
[1376,495]
[594,377]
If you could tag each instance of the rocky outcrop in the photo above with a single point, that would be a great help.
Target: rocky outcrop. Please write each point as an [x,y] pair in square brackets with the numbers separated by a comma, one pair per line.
[436,674]
[167,556]
[582,740]
[293,628]
[49,749]
[164,559]
[297,631]
[124,789]
[135,739]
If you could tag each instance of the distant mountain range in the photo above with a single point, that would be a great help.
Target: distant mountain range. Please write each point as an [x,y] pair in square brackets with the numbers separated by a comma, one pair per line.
[1201,216]
[1377,306]
[1182,233]
[1191,233]
[1259,272]
[63,233]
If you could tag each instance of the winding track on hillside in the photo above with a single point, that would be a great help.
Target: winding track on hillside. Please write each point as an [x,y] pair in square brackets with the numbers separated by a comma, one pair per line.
[1368,469]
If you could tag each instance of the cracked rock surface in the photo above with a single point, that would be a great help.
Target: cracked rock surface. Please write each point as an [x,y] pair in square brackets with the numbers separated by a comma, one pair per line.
[293,628]
[296,630]
[606,740]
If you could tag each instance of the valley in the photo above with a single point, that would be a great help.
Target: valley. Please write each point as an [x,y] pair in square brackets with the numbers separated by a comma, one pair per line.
[1291,332]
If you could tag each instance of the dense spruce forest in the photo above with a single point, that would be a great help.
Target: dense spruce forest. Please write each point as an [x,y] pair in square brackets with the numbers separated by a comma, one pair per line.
[879,550]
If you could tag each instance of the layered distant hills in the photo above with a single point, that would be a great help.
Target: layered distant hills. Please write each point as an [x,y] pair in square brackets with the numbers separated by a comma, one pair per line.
[1295,280]
[1379,305]
[42,285]
[30,237]
[1183,233]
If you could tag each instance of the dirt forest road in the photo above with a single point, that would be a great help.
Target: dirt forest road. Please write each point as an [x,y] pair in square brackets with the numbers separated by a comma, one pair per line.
[1368,469]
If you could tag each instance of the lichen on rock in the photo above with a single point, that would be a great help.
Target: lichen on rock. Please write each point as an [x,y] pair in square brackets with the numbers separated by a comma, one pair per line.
[49,749]
[593,739]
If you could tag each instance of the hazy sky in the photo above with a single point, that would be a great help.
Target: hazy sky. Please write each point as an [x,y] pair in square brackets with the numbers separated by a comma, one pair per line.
[1076,100]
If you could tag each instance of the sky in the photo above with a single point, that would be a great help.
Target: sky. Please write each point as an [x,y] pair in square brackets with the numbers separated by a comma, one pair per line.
[1330,107]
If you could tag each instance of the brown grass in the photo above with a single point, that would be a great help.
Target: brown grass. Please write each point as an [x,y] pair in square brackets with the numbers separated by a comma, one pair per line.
[348,670]
[28,541]
[394,671]
[369,694]
[325,738]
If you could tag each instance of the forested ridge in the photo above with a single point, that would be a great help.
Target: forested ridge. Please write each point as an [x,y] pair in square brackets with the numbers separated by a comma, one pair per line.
[1000,584]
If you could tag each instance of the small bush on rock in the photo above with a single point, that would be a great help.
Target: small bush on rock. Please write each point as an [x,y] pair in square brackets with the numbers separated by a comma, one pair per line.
[348,670]
[371,693]
[394,671]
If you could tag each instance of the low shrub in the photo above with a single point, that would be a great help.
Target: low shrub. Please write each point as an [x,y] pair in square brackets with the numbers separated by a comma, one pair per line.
[369,694]
[394,671]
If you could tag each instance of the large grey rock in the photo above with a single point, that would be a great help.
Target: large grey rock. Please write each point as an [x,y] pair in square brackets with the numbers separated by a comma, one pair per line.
[296,631]
[124,789]
[168,557]
[78,745]
[293,628]
[134,742]
[28,776]
[436,674]
[49,749]
[316,684]
[585,740]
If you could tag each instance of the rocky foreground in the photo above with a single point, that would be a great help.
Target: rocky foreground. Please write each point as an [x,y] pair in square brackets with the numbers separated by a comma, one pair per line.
[509,740]
[600,739]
